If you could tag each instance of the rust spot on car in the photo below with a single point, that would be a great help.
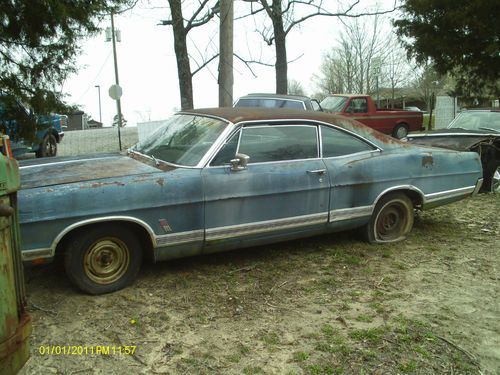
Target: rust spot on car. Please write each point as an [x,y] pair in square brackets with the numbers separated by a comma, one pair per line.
[427,161]
[101,184]
[160,181]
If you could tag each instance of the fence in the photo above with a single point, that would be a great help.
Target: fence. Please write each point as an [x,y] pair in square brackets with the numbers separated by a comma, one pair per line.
[82,142]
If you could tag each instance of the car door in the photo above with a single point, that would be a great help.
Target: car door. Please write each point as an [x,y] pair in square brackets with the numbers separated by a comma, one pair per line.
[282,193]
[355,173]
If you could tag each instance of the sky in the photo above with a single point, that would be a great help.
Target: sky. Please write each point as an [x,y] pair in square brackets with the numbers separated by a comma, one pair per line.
[148,71]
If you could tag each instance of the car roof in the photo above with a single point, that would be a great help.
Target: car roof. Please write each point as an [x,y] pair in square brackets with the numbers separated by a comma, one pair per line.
[256,114]
[275,96]
[481,110]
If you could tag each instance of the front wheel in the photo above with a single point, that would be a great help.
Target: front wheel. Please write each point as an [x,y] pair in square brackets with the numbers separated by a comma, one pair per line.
[103,259]
[400,131]
[48,147]
[392,219]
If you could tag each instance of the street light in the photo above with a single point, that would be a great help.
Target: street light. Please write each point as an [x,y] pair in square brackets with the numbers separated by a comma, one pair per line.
[99,94]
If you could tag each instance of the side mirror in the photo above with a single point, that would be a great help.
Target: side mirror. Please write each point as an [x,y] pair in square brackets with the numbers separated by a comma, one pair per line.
[239,162]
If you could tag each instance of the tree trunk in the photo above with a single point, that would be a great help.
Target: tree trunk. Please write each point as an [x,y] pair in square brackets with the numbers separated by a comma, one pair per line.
[226,54]
[181,55]
[281,59]
[281,66]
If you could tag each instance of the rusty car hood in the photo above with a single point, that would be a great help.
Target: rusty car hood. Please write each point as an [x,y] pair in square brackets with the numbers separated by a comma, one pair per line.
[454,139]
[55,171]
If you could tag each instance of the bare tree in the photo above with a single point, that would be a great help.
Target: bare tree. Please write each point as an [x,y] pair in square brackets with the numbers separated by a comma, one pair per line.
[285,15]
[361,48]
[295,88]
[181,27]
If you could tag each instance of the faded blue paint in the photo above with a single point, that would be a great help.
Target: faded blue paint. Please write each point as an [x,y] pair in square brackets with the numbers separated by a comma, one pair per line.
[214,208]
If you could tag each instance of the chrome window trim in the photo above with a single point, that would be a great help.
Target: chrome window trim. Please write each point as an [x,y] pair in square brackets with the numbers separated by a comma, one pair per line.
[172,239]
[273,122]
[239,230]
[289,125]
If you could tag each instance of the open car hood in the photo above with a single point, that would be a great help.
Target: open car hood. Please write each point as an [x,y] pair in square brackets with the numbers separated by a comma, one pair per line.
[455,139]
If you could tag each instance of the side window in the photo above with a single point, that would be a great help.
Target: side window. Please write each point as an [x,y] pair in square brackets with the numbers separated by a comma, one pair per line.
[337,143]
[227,152]
[279,142]
[358,105]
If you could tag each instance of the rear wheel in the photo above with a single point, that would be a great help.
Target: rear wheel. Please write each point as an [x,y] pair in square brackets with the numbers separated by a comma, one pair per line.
[103,259]
[494,180]
[48,147]
[400,131]
[392,219]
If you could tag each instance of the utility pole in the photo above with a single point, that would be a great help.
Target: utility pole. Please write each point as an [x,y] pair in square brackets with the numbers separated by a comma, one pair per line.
[99,95]
[117,81]
[226,54]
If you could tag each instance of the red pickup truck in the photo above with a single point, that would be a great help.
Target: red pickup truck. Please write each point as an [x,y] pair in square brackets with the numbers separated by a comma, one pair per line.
[396,122]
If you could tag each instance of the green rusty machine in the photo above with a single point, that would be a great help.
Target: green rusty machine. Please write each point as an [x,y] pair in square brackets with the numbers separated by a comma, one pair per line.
[15,324]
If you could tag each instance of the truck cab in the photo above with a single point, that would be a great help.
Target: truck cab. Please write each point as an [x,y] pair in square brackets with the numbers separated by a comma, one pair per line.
[395,122]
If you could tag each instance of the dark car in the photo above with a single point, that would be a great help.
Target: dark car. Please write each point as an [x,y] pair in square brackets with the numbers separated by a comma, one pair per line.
[278,101]
[472,130]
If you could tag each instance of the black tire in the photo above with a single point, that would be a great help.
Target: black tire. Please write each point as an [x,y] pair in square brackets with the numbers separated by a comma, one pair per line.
[48,147]
[103,259]
[392,219]
[492,182]
[400,131]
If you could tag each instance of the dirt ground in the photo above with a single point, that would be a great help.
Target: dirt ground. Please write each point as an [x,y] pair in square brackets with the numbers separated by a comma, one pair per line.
[324,305]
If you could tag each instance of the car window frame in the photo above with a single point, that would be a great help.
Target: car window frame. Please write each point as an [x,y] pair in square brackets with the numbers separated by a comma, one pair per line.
[375,149]
[263,125]
[233,128]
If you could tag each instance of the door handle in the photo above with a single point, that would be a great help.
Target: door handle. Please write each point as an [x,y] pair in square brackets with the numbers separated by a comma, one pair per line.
[317,171]
[6,210]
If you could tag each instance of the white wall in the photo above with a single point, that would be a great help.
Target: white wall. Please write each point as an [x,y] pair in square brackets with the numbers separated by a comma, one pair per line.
[81,142]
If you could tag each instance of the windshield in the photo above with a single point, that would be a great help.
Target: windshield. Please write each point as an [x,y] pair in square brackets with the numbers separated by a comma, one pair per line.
[334,103]
[183,140]
[477,120]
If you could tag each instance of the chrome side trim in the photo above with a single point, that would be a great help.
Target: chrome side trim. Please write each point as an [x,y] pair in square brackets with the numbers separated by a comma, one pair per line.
[265,226]
[400,187]
[180,238]
[479,184]
[29,255]
[449,194]
[350,213]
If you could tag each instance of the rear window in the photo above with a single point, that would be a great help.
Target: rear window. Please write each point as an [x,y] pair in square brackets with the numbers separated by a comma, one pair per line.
[269,103]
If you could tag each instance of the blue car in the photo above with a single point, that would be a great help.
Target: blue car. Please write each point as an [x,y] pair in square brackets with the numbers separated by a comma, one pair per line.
[218,179]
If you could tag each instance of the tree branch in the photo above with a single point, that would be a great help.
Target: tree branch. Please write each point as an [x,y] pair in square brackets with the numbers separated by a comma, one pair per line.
[200,67]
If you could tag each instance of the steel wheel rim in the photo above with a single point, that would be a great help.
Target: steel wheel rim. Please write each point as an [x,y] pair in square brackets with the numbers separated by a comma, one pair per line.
[107,260]
[401,132]
[391,222]
[495,181]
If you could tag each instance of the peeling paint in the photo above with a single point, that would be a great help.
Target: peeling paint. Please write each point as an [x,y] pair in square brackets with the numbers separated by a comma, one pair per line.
[427,161]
